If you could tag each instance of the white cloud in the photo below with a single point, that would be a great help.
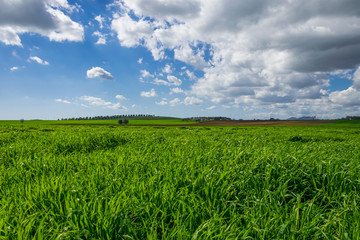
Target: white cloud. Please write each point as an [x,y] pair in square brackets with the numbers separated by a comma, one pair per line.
[163,102]
[349,97]
[190,74]
[145,74]
[38,60]
[211,107]
[174,80]
[151,93]
[96,101]
[42,17]
[9,36]
[176,90]
[101,37]
[192,101]
[63,4]
[174,102]
[186,54]
[98,72]
[130,32]
[116,106]
[14,68]
[277,53]
[120,97]
[161,82]
[140,60]
[167,69]
[62,101]
[100,20]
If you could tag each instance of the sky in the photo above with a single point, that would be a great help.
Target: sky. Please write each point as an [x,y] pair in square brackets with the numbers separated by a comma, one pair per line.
[242,59]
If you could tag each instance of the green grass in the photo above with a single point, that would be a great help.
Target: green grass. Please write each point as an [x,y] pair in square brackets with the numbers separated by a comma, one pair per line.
[346,123]
[105,182]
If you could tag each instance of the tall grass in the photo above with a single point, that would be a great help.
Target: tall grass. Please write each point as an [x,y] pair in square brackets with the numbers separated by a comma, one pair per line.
[88,182]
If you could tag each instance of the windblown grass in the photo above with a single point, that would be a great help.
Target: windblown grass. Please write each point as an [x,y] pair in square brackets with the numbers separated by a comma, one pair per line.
[92,182]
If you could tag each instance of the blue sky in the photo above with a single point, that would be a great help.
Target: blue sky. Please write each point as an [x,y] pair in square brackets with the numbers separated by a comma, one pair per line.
[248,59]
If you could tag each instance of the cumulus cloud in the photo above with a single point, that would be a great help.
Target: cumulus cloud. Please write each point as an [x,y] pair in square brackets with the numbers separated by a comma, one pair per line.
[176,90]
[162,102]
[45,17]
[167,69]
[38,60]
[174,80]
[151,93]
[96,101]
[250,52]
[186,54]
[101,37]
[100,20]
[145,74]
[211,107]
[192,101]
[349,97]
[171,81]
[62,101]
[140,60]
[190,74]
[98,72]
[174,102]
[130,32]
[120,97]
[14,68]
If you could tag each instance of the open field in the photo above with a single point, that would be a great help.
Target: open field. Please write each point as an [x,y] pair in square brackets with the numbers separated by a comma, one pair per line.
[99,122]
[179,122]
[266,123]
[184,182]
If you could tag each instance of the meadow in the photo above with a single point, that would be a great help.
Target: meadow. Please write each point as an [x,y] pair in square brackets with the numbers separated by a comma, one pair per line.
[184,182]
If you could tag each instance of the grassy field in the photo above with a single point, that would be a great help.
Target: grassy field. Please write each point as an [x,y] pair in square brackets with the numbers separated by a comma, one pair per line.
[175,121]
[106,182]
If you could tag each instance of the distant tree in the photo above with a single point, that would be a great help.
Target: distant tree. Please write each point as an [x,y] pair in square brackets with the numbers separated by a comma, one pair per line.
[22,120]
[120,121]
[126,121]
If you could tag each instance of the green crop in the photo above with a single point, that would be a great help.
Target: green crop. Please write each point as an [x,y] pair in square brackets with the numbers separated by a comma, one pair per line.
[106,182]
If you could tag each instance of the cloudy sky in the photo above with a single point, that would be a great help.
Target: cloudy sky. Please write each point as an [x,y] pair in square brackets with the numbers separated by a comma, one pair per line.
[241,59]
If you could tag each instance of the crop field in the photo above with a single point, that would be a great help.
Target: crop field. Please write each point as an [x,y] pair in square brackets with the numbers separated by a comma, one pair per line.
[184,182]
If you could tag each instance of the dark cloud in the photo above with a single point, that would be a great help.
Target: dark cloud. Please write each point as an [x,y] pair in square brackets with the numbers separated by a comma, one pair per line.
[29,13]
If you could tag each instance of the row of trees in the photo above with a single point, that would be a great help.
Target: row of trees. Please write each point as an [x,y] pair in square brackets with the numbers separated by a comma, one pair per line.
[201,119]
[113,117]
[352,117]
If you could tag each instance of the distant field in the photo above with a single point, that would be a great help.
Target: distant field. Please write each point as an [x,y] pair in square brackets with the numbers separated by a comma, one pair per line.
[99,122]
[131,122]
[183,182]
[345,123]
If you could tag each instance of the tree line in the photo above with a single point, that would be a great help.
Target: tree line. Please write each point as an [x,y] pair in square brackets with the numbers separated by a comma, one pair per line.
[112,117]
[201,119]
